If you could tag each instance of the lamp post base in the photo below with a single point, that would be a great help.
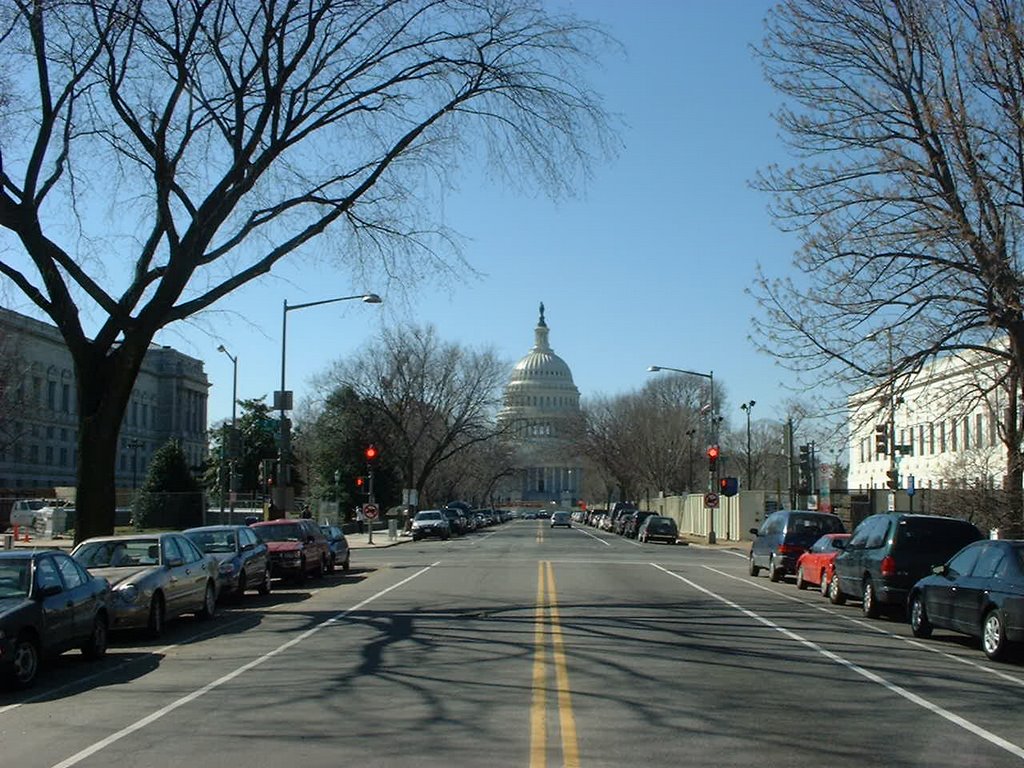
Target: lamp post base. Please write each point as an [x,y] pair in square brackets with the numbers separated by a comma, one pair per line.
[712,539]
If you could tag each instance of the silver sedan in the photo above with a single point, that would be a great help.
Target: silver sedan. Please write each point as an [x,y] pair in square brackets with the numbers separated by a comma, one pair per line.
[155,577]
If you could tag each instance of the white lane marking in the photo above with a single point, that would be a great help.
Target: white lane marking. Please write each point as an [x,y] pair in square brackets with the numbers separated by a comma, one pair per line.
[153,717]
[967,725]
[588,533]
[879,629]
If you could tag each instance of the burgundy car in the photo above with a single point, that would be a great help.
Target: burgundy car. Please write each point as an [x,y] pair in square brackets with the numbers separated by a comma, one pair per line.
[297,548]
[814,567]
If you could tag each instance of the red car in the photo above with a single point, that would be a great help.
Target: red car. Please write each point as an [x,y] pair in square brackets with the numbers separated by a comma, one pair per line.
[814,567]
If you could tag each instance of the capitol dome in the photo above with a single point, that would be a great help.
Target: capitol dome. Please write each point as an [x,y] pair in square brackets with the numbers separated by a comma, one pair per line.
[541,412]
[541,382]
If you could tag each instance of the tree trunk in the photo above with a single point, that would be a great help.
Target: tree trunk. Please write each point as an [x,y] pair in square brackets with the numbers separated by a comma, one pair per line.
[104,387]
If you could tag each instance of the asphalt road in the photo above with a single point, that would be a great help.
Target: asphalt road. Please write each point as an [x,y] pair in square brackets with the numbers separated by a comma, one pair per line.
[527,646]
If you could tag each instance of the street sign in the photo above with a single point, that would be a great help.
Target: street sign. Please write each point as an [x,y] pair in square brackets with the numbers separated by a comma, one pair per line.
[711,500]
[370,511]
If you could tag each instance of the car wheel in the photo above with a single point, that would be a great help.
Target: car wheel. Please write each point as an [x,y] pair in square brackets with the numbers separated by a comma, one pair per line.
[264,587]
[919,623]
[96,646]
[835,594]
[345,566]
[823,583]
[800,582]
[25,661]
[993,635]
[774,574]
[155,625]
[300,577]
[240,589]
[753,569]
[209,607]
[331,564]
[869,601]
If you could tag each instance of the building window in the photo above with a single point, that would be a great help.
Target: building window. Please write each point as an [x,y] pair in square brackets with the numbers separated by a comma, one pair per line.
[931,438]
[953,442]
[65,398]
[63,457]
[49,455]
[979,437]
[51,395]
[942,437]
[993,431]
[920,440]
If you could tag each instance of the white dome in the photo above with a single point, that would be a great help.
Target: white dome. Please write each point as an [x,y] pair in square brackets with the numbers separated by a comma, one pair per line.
[541,382]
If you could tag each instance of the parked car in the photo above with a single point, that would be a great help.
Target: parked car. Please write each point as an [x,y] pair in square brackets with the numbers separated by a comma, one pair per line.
[458,520]
[243,560]
[632,522]
[978,592]
[561,519]
[658,528]
[23,511]
[338,545]
[48,604]
[889,552]
[814,567]
[784,536]
[430,522]
[155,577]
[297,547]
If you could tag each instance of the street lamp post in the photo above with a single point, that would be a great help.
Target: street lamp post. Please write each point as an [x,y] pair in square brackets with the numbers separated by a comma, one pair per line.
[748,407]
[234,437]
[135,445]
[714,434]
[891,411]
[689,472]
[283,399]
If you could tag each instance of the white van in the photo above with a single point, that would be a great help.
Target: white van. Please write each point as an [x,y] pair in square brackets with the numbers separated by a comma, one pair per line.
[23,511]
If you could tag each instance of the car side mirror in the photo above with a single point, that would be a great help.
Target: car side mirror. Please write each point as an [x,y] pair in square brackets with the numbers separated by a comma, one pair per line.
[49,590]
[754,531]
[940,570]
[175,562]
[247,547]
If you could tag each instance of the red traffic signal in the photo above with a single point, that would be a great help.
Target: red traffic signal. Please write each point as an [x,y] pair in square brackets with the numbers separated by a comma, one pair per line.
[371,452]
[728,486]
[360,481]
[712,452]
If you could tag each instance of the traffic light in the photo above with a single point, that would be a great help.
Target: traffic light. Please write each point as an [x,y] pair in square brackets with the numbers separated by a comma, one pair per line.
[360,482]
[805,458]
[728,486]
[371,452]
[881,439]
[894,479]
[712,457]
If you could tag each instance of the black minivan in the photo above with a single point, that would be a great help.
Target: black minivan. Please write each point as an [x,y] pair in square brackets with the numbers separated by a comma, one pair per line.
[889,552]
[784,536]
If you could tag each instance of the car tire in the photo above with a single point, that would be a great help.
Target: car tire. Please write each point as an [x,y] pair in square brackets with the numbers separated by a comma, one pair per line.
[919,623]
[801,583]
[823,583]
[331,565]
[300,577]
[155,623]
[25,661]
[774,574]
[752,568]
[835,594]
[347,565]
[209,607]
[869,600]
[993,635]
[96,646]
[264,587]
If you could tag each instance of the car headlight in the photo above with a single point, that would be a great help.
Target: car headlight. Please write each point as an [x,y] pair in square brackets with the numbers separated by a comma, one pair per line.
[129,593]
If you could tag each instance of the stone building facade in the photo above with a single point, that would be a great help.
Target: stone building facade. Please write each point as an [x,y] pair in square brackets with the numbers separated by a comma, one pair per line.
[39,420]
[542,410]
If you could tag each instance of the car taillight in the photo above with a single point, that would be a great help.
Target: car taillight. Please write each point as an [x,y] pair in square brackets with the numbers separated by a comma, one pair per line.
[790,549]
[888,566]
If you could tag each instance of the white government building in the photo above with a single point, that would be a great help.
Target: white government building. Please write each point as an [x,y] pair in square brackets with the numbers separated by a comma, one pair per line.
[949,416]
[541,407]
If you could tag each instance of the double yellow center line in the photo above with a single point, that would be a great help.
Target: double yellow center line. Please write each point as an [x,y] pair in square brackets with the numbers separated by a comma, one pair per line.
[547,623]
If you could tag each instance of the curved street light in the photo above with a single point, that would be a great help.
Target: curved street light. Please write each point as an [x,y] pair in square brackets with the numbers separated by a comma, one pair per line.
[748,407]
[283,400]
[234,437]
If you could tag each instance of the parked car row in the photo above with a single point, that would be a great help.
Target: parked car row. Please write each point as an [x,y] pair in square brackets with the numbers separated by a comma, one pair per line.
[52,601]
[454,519]
[626,520]
[937,571]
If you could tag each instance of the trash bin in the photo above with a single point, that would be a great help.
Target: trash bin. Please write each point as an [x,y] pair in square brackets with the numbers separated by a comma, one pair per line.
[8,541]
[393,529]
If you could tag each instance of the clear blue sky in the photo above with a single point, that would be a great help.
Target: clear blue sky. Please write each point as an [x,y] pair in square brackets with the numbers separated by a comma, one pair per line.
[647,265]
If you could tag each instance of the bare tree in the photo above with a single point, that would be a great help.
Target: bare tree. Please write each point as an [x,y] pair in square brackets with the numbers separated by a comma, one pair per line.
[905,119]
[157,156]
[437,400]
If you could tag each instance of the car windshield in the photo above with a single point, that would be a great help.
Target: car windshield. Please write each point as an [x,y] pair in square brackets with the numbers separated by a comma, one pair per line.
[279,532]
[815,523]
[428,516]
[14,577]
[213,541]
[122,553]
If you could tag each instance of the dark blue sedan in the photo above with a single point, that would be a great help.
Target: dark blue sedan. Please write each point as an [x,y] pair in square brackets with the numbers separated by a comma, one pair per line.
[48,604]
[978,592]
